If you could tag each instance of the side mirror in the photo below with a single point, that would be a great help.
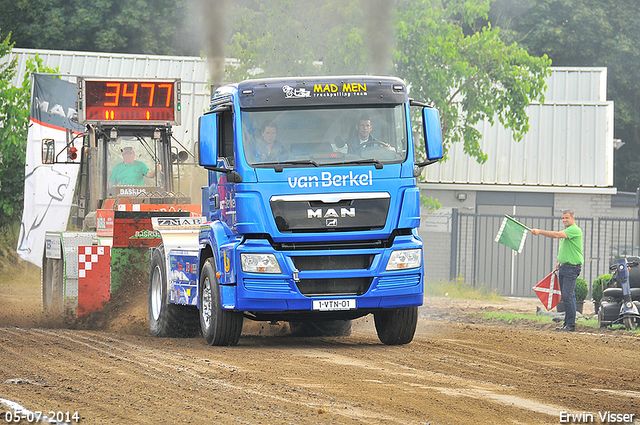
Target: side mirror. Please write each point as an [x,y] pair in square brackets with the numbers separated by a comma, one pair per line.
[208,140]
[48,151]
[432,133]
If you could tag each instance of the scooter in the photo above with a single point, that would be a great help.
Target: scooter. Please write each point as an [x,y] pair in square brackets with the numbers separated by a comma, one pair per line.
[621,299]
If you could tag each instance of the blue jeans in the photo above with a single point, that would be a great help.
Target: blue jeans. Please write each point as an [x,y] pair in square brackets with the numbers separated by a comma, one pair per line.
[567,275]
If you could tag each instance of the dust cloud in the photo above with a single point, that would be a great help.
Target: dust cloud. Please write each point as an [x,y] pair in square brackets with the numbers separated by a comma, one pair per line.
[21,306]
[379,34]
[216,18]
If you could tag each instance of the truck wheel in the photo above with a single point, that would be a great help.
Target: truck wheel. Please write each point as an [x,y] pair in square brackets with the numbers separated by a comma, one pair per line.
[328,328]
[219,327]
[396,326]
[166,319]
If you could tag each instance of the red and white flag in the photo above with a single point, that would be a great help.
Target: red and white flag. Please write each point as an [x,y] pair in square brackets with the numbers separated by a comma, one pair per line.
[548,290]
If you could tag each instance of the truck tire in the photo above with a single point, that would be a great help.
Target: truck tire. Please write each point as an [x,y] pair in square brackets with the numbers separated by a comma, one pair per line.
[328,328]
[396,326]
[166,319]
[219,327]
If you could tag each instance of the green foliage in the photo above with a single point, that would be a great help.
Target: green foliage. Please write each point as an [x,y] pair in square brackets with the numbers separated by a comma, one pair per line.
[510,317]
[12,267]
[7,68]
[8,242]
[272,37]
[582,289]
[460,290]
[518,317]
[14,121]
[598,286]
[10,115]
[430,203]
[468,73]
[167,27]
[589,33]
[445,49]
[286,38]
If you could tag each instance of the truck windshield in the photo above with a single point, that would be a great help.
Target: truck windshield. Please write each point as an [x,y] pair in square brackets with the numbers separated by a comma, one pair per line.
[318,137]
[134,161]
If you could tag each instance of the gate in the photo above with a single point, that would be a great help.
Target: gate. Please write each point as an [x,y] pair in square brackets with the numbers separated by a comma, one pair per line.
[617,237]
[481,262]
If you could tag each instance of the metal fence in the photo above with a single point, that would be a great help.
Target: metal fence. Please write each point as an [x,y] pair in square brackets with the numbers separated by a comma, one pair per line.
[481,262]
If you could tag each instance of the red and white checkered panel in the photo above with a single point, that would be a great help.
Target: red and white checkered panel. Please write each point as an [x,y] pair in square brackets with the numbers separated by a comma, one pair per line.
[87,257]
[94,277]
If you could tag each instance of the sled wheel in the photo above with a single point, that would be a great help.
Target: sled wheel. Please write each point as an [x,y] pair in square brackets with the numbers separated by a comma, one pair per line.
[629,323]
[53,285]
[328,328]
[396,326]
[219,327]
[166,319]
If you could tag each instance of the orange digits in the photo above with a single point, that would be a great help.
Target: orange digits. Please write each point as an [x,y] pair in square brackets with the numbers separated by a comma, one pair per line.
[152,88]
[133,95]
[115,95]
[168,87]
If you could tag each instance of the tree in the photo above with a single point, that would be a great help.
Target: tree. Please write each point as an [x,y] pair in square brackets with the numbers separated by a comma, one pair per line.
[589,33]
[167,27]
[14,121]
[468,73]
[288,38]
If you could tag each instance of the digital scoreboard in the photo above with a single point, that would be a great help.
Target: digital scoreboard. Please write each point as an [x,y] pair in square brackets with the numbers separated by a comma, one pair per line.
[128,101]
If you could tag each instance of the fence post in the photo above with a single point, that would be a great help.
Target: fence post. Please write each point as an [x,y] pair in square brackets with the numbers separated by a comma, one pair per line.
[453,256]
[637,205]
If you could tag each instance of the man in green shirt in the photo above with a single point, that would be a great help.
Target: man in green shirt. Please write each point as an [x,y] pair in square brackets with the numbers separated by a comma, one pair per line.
[570,260]
[130,171]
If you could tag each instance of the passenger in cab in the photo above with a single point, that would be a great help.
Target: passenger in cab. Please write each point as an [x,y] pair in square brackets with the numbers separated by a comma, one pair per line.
[268,149]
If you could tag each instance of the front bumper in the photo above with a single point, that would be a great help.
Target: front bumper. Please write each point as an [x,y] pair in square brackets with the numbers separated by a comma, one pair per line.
[308,275]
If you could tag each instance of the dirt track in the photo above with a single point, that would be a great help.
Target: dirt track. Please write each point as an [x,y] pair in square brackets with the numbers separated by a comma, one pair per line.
[458,370]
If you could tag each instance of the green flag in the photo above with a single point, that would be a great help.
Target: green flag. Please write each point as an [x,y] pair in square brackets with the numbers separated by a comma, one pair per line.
[512,234]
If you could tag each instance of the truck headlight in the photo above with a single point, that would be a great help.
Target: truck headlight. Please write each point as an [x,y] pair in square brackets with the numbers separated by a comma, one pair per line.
[259,263]
[405,259]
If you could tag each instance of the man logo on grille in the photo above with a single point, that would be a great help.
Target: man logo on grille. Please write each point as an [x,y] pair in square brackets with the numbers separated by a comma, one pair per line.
[331,212]
[332,222]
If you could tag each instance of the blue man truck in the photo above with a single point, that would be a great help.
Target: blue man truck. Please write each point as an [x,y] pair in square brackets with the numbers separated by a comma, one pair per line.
[310,214]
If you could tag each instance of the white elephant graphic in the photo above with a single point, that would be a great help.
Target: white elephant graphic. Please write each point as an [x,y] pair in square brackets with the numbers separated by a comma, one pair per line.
[57,187]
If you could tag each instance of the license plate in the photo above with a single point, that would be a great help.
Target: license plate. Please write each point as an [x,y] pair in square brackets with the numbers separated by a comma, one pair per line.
[328,305]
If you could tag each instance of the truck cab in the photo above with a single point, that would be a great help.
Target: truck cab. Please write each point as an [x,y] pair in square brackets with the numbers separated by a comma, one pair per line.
[311,211]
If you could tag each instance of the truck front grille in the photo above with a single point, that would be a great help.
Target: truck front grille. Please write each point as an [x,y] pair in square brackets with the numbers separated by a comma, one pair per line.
[333,262]
[338,286]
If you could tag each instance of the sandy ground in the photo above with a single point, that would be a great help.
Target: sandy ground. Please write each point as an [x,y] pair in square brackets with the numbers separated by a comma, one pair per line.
[460,369]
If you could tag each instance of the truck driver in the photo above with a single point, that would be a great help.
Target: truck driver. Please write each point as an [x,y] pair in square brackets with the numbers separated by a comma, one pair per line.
[130,171]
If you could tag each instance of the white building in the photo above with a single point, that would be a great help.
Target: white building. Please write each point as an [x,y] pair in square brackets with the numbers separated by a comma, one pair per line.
[564,161]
